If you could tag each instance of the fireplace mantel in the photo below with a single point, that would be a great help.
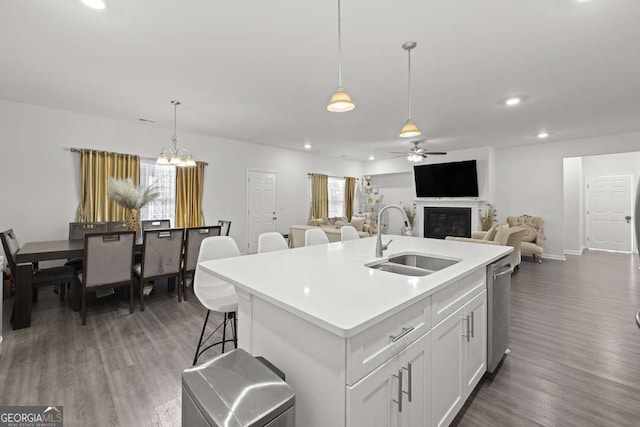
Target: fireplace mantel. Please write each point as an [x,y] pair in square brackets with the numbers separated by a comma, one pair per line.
[471,202]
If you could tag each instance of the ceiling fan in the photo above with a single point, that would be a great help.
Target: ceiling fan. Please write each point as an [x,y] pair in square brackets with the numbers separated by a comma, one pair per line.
[417,154]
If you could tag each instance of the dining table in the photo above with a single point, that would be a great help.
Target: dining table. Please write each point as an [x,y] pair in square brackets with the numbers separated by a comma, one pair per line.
[27,257]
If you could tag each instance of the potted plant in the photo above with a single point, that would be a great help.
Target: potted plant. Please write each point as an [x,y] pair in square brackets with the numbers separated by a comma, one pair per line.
[131,197]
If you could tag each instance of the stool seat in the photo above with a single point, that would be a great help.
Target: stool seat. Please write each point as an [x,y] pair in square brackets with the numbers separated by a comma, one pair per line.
[222,298]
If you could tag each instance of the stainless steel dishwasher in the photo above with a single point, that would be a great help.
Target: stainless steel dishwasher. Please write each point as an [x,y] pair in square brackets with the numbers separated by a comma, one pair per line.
[498,310]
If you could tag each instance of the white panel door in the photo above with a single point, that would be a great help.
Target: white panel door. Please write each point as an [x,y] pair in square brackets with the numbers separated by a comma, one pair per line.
[261,198]
[415,364]
[474,355]
[370,402]
[446,375]
[609,210]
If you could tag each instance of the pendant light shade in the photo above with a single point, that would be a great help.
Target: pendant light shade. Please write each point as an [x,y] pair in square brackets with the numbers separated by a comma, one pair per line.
[340,101]
[409,129]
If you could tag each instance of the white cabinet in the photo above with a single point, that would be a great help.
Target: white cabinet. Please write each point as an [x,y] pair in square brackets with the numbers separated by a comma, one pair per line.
[459,358]
[398,393]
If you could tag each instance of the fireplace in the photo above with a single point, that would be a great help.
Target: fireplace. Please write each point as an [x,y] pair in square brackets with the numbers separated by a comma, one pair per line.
[441,222]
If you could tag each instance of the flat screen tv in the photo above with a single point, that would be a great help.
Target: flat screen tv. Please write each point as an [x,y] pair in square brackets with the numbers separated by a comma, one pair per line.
[456,179]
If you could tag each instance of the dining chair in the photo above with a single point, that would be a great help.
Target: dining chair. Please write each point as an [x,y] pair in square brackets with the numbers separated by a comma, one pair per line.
[77,230]
[58,276]
[348,232]
[161,258]
[193,239]
[215,294]
[117,226]
[152,224]
[226,227]
[315,236]
[108,262]
[271,241]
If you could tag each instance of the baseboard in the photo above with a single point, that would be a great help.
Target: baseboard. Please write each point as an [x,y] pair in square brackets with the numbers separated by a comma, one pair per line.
[555,257]
[570,252]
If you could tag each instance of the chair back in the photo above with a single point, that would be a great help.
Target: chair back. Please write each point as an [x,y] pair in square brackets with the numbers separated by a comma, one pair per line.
[315,236]
[216,247]
[152,224]
[77,230]
[108,258]
[162,252]
[270,242]
[117,226]
[194,238]
[348,232]
[10,246]
[226,226]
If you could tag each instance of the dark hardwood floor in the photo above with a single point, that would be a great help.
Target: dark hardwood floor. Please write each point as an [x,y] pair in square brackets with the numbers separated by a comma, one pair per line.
[575,353]
[575,348]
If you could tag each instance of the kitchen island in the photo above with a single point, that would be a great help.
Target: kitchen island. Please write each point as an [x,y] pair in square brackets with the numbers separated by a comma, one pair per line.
[362,346]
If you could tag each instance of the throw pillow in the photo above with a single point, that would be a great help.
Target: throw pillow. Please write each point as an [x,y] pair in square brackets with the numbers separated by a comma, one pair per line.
[530,233]
[325,223]
[316,222]
[502,236]
[357,223]
[491,233]
[340,224]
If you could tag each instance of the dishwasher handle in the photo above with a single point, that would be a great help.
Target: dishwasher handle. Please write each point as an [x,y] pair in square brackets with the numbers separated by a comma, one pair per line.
[502,273]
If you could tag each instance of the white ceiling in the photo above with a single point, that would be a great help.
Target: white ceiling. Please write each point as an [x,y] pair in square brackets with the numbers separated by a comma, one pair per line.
[263,71]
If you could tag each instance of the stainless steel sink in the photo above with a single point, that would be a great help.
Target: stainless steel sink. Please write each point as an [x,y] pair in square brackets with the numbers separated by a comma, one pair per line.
[424,262]
[413,264]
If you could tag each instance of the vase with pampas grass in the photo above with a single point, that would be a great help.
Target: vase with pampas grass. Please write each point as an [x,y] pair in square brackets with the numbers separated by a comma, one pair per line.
[131,197]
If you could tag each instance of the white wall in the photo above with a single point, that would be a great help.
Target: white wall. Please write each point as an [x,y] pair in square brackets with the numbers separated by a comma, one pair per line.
[39,174]
[573,206]
[529,179]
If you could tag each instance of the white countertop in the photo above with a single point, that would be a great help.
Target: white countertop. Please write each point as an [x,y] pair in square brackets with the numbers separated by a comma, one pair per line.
[330,286]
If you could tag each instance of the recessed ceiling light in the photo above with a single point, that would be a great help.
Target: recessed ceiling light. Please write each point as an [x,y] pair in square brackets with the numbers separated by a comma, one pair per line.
[543,135]
[513,101]
[307,146]
[371,157]
[94,4]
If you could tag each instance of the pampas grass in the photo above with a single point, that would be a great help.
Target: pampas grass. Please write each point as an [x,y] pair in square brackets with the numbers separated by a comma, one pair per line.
[125,193]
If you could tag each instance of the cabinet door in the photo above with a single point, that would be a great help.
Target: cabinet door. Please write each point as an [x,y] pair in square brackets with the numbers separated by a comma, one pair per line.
[415,364]
[446,373]
[370,402]
[475,351]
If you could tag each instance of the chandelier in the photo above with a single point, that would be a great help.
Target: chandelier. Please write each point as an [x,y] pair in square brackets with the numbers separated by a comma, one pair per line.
[173,155]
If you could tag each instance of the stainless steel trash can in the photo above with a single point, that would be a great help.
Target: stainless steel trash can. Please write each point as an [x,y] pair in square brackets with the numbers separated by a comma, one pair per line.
[236,390]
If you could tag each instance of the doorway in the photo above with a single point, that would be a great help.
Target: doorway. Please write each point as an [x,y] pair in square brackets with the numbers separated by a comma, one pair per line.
[609,210]
[262,187]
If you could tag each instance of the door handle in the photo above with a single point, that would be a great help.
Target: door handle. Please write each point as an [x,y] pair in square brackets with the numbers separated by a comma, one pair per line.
[410,376]
[466,319]
[628,218]
[399,401]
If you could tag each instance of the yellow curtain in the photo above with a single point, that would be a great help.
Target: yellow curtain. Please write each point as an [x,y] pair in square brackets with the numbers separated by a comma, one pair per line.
[319,196]
[349,195]
[96,167]
[189,185]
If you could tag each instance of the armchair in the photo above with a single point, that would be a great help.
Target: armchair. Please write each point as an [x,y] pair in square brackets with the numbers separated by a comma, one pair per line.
[505,236]
[533,237]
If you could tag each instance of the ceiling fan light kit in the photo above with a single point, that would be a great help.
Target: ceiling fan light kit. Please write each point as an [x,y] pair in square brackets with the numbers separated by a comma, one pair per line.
[340,101]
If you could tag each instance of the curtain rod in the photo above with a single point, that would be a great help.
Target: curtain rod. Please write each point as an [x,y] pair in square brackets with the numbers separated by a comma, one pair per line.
[333,176]
[77,150]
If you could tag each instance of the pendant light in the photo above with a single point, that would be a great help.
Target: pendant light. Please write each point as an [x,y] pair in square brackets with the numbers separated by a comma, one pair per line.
[340,101]
[172,155]
[409,129]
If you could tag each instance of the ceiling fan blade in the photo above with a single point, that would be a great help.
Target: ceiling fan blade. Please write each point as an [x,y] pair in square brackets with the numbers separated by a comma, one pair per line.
[397,152]
[435,153]
[401,155]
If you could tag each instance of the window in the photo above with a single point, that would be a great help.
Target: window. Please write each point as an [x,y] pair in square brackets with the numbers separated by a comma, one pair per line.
[164,177]
[336,196]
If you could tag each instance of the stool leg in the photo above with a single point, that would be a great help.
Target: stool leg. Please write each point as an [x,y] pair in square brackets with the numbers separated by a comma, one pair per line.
[235,329]
[206,319]
[224,332]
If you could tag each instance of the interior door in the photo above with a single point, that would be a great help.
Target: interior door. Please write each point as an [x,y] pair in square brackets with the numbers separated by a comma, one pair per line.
[370,402]
[415,364]
[446,383]
[261,201]
[609,212]
[475,350]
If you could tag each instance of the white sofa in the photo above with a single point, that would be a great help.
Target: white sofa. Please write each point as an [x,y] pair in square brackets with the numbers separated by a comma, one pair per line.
[297,234]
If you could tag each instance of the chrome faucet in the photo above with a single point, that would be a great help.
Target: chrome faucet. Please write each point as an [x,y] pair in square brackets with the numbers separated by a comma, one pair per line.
[380,247]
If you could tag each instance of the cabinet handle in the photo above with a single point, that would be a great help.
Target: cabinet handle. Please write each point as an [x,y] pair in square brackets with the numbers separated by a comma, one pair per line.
[473,325]
[404,332]
[410,374]
[467,336]
[399,401]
